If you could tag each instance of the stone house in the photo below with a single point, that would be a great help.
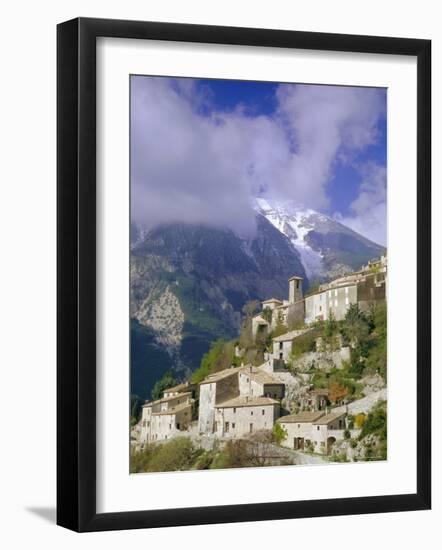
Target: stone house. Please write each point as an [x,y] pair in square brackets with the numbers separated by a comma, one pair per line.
[282,345]
[244,415]
[363,287]
[233,393]
[299,429]
[314,431]
[326,430]
[281,311]
[215,389]
[166,417]
[256,382]
[179,389]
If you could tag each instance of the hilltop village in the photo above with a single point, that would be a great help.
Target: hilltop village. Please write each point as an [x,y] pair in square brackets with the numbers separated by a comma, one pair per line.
[313,385]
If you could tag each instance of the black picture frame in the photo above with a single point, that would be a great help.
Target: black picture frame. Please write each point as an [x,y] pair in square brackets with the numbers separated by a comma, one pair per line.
[77,287]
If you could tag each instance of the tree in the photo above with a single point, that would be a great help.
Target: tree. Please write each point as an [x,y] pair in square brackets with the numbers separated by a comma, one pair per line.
[356,325]
[219,357]
[167,381]
[330,331]
[279,433]
[267,314]
[337,392]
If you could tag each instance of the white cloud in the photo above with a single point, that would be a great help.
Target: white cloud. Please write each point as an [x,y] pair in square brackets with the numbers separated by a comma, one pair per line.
[192,168]
[370,207]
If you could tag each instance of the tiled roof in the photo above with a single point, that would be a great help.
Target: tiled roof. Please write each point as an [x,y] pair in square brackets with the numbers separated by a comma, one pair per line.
[179,388]
[247,401]
[220,375]
[173,410]
[165,399]
[260,376]
[305,416]
[328,418]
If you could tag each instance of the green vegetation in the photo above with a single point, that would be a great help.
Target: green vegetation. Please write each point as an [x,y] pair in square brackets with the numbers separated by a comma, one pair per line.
[167,381]
[376,422]
[279,433]
[375,425]
[267,314]
[135,409]
[304,344]
[339,383]
[220,356]
[359,420]
[181,454]
[177,454]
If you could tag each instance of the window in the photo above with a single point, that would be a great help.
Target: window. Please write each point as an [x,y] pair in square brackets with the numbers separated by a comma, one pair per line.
[320,308]
[251,413]
[346,290]
[178,426]
[170,426]
[346,301]
[281,356]
[336,292]
[227,426]
[317,427]
[251,428]
[234,409]
[263,411]
[280,345]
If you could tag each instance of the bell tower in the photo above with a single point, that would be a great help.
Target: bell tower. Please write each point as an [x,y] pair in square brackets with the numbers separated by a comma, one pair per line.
[295,289]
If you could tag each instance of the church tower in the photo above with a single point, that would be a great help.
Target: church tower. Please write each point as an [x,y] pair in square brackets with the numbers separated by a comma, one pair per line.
[295,289]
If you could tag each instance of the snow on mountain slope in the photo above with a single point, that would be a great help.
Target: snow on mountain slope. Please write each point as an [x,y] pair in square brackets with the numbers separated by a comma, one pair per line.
[326,247]
[295,224]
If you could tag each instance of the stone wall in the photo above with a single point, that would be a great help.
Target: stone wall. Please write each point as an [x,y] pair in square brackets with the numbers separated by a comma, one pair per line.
[236,422]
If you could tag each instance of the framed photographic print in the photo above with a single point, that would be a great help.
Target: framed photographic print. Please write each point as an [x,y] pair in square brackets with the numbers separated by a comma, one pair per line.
[243,274]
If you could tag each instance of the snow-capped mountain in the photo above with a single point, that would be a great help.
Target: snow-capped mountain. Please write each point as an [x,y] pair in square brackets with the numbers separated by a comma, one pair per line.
[326,247]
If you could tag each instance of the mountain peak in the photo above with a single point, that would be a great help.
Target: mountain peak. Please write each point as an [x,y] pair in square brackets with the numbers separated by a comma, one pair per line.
[327,248]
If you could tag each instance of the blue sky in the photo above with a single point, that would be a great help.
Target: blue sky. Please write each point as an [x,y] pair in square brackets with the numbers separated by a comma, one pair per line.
[259,98]
[216,143]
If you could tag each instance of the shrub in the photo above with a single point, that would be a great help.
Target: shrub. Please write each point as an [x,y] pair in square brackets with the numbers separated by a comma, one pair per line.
[304,344]
[176,454]
[376,422]
[220,356]
[279,433]
[337,392]
[167,381]
[359,420]
[347,434]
